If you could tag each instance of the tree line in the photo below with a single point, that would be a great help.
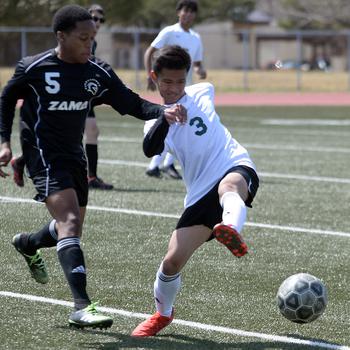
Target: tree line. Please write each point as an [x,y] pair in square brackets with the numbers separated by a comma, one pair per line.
[290,14]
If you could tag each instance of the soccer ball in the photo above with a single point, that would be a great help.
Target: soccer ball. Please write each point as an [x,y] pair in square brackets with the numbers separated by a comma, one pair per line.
[302,298]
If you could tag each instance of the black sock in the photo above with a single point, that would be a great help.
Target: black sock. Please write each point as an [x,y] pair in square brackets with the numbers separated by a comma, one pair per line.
[72,261]
[92,156]
[45,238]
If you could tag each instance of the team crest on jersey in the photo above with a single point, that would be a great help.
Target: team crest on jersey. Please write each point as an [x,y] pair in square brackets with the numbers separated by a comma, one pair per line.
[92,85]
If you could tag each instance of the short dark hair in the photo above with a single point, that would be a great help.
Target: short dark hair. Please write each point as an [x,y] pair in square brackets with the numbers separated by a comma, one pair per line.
[171,57]
[96,8]
[66,17]
[187,4]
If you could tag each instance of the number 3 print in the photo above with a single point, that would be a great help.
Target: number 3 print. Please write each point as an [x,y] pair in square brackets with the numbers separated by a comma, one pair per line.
[199,124]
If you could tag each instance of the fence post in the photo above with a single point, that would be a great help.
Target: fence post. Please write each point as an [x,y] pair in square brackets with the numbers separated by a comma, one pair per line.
[299,58]
[348,60]
[246,37]
[23,42]
[136,58]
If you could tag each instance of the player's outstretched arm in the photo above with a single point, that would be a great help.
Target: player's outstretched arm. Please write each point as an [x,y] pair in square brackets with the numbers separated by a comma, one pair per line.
[10,94]
[153,142]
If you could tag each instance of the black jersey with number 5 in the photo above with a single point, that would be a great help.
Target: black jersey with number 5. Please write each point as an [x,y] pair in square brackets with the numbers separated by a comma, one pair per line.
[57,99]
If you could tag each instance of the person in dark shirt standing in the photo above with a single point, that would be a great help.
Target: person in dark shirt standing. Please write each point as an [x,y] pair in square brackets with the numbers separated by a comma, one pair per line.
[91,128]
[59,87]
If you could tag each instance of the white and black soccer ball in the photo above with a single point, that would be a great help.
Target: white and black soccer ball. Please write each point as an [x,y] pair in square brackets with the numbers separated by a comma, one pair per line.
[302,298]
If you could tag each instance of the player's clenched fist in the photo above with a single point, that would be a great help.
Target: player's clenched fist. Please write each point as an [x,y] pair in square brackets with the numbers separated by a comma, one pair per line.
[176,113]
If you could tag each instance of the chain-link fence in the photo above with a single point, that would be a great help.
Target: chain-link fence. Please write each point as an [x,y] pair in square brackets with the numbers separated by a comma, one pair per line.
[254,59]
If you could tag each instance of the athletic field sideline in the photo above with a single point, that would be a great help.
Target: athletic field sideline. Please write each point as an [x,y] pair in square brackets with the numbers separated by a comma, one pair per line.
[299,223]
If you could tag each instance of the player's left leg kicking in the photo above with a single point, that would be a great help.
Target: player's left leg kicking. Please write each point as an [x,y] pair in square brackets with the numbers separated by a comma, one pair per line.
[232,188]
[190,235]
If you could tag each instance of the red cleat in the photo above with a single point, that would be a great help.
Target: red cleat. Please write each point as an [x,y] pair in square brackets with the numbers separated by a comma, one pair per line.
[18,172]
[152,325]
[229,237]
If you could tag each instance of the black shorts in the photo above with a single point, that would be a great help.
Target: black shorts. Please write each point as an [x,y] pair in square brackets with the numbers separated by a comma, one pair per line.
[208,211]
[55,179]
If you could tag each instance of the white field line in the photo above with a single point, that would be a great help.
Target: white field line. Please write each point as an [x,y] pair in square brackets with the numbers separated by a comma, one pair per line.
[289,131]
[118,124]
[247,145]
[306,177]
[175,216]
[233,130]
[317,122]
[190,324]
[261,174]
[297,148]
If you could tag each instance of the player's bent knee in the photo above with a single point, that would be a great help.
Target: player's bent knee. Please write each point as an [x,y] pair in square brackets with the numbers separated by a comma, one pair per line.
[70,227]
[171,266]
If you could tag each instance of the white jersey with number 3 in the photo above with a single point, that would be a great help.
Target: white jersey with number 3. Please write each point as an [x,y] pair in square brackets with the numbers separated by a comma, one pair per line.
[203,146]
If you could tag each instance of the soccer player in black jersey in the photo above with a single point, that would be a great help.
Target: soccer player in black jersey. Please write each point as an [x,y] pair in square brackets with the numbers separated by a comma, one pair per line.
[91,129]
[59,87]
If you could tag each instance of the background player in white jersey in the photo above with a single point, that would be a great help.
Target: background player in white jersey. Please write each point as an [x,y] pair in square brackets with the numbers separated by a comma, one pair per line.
[219,175]
[178,34]
[59,87]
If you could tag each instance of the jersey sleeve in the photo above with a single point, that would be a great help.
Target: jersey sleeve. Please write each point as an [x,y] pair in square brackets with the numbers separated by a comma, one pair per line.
[161,39]
[198,56]
[14,90]
[125,101]
[153,142]
[148,125]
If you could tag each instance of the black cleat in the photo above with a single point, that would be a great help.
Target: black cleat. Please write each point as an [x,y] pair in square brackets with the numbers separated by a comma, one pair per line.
[171,172]
[97,183]
[154,172]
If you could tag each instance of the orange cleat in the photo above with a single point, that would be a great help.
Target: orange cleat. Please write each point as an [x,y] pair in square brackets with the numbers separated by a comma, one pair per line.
[18,172]
[152,325]
[229,237]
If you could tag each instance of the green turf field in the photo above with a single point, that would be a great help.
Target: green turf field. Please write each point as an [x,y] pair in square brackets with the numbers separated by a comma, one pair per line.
[300,223]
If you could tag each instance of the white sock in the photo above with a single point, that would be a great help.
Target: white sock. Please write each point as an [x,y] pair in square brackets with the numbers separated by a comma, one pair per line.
[155,161]
[169,160]
[234,210]
[165,290]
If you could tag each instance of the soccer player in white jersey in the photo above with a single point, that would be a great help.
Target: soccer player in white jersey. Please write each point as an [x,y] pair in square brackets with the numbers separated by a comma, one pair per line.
[220,178]
[177,34]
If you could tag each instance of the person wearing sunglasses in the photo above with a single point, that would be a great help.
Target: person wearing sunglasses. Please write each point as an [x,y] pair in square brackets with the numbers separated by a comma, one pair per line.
[91,129]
